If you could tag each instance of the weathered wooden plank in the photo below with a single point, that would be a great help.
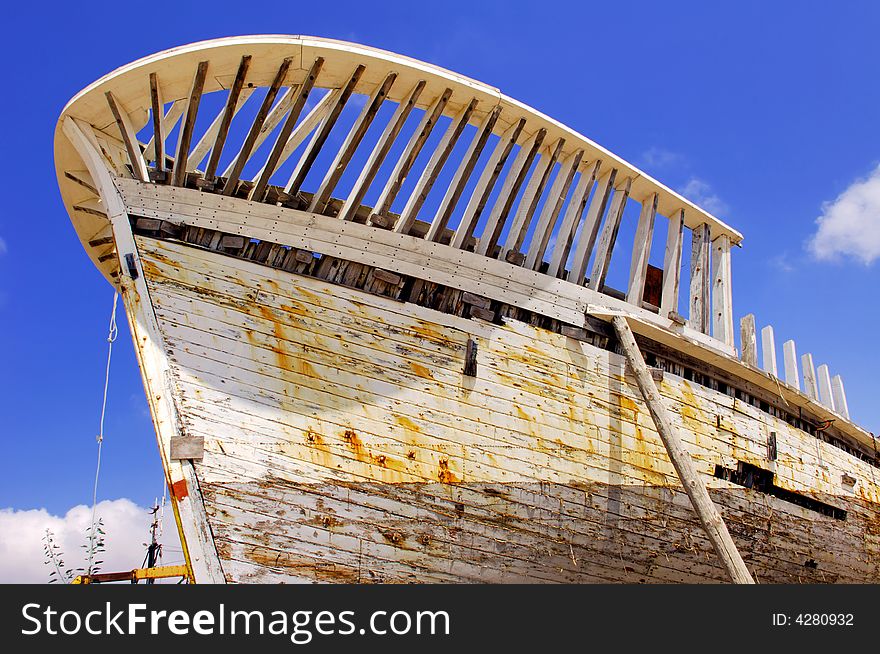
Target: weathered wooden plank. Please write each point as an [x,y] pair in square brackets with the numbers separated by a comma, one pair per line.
[435,164]
[380,151]
[550,212]
[826,395]
[169,120]
[184,138]
[410,153]
[608,238]
[839,395]
[233,172]
[789,356]
[700,304]
[722,291]
[462,175]
[132,147]
[572,218]
[590,228]
[229,109]
[641,250]
[350,144]
[810,386]
[749,340]
[157,108]
[768,351]
[480,196]
[301,96]
[672,264]
[528,203]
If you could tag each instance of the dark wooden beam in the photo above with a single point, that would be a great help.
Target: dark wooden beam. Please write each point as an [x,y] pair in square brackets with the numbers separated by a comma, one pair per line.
[226,121]
[181,155]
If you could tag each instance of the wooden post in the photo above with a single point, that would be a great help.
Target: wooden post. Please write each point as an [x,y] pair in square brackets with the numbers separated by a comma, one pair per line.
[642,250]
[789,359]
[672,264]
[700,255]
[810,387]
[572,217]
[825,395]
[839,396]
[768,351]
[749,340]
[709,516]
[608,237]
[722,297]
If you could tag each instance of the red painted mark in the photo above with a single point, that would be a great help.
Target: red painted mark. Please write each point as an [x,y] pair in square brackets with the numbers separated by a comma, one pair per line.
[178,489]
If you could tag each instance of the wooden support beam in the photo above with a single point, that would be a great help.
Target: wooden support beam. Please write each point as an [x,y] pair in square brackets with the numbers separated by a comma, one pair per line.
[826,396]
[184,138]
[749,340]
[410,153]
[323,132]
[462,175]
[207,142]
[226,118]
[573,214]
[638,267]
[672,264]
[552,207]
[700,318]
[157,108]
[681,459]
[789,360]
[722,294]
[839,395]
[528,204]
[609,236]
[129,138]
[811,388]
[590,228]
[258,192]
[435,165]
[233,173]
[768,351]
[485,184]
[350,145]
[380,151]
[169,120]
[507,194]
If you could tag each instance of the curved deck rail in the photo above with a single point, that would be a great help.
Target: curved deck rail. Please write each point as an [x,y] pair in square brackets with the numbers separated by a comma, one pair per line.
[527,190]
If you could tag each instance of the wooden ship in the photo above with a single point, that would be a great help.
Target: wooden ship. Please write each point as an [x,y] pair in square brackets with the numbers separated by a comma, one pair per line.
[348,386]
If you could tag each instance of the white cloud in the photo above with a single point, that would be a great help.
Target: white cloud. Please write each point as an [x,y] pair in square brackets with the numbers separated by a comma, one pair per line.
[850,226]
[702,194]
[660,158]
[3,248]
[125,523]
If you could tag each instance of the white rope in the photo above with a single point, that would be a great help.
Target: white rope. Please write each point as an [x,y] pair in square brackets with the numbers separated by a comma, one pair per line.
[111,336]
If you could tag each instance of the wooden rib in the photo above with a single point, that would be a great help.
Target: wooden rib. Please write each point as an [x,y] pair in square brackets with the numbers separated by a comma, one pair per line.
[572,217]
[810,386]
[301,96]
[169,120]
[790,364]
[529,201]
[485,184]
[410,153]
[550,213]
[350,145]
[226,119]
[157,106]
[380,151]
[462,175]
[205,144]
[722,295]
[79,178]
[838,393]
[129,138]
[699,318]
[672,265]
[749,340]
[826,395]
[609,236]
[590,229]
[768,351]
[320,137]
[233,174]
[314,118]
[641,250]
[506,196]
[184,138]
[435,165]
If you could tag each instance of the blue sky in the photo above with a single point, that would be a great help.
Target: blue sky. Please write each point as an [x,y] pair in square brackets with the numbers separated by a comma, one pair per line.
[764,112]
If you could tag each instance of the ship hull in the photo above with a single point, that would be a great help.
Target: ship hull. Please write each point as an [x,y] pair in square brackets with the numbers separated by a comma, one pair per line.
[344,443]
